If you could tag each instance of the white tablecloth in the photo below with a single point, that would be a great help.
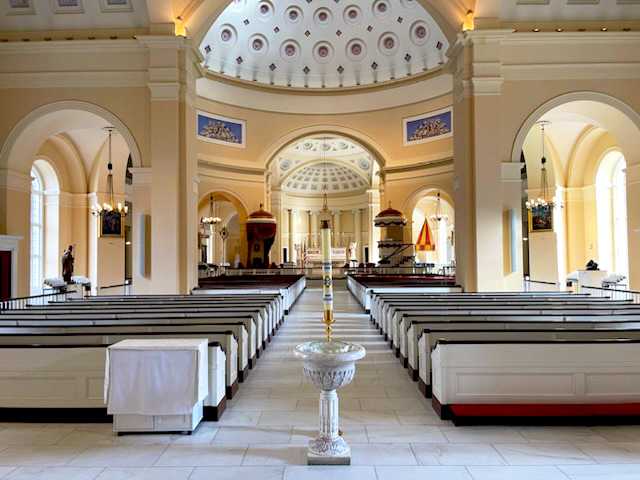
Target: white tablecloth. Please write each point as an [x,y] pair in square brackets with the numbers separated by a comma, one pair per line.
[156,376]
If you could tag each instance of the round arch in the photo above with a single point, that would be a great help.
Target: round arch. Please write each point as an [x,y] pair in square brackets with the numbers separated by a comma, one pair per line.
[412,200]
[47,120]
[311,163]
[225,195]
[363,140]
[628,118]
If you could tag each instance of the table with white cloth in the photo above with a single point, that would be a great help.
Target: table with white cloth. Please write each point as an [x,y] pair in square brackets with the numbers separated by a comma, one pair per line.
[156,385]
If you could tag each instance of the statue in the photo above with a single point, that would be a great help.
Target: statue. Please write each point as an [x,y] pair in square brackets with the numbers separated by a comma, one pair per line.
[67,264]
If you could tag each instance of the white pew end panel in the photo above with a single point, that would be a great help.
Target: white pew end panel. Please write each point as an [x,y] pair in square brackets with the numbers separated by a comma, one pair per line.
[490,382]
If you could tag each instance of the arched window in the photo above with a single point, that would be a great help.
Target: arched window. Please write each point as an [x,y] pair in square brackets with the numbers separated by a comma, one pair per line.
[611,207]
[37,232]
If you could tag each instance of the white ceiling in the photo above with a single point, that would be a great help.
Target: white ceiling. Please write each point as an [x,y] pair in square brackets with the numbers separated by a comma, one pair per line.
[72,14]
[312,166]
[323,43]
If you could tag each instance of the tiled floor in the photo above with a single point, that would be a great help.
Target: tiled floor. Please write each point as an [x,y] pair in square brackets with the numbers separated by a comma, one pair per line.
[393,432]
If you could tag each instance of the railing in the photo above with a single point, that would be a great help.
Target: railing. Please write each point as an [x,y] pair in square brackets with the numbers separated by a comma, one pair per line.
[540,286]
[21,303]
[338,272]
[119,289]
[612,293]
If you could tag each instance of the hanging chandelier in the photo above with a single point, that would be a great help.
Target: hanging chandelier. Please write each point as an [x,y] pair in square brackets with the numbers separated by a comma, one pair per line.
[544,200]
[438,215]
[210,221]
[100,209]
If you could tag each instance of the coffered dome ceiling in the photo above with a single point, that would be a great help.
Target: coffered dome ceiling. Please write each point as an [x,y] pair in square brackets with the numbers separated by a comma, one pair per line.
[323,43]
[313,166]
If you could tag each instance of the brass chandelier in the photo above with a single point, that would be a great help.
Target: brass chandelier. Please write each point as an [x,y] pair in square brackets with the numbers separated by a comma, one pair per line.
[544,200]
[98,209]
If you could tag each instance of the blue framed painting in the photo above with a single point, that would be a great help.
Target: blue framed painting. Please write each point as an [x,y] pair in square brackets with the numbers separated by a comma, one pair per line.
[428,127]
[217,129]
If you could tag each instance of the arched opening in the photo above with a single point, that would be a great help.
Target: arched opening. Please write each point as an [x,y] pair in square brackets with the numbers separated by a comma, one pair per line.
[66,144]
[324,175]
[611,201]
[586,139]
[222,242]
[439,215]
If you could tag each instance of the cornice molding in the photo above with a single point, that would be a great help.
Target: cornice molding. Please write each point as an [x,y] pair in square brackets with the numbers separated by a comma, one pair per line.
[429,164]
[222,167]
[511,172]
[132,79]
[323,103]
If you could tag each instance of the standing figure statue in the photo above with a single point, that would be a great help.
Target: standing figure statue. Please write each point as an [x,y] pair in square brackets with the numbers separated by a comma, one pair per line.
[67,264]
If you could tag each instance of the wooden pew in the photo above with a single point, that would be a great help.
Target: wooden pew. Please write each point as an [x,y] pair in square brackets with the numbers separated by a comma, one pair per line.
[65,383]
[238,324]
[496,331]
[495,381]
[225,335]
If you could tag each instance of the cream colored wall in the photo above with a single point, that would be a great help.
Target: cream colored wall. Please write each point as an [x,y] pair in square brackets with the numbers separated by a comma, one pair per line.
[502,78]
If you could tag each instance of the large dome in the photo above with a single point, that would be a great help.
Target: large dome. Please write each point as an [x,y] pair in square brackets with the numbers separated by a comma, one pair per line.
[323,43]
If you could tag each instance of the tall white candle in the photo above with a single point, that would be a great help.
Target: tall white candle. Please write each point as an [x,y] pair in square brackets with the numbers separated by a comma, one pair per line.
[327,280]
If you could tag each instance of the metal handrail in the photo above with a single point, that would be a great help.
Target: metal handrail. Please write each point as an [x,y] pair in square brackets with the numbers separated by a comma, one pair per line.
[21,303]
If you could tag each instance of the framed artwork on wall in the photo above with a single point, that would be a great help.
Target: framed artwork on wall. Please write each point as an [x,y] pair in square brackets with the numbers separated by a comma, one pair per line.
[428,127]
[541,219]
[222,130]
[111,224]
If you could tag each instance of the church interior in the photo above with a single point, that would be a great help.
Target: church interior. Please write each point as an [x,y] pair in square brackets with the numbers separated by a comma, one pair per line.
[302,239]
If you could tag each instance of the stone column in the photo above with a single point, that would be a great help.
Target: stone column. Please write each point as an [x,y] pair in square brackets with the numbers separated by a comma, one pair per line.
[373,198]
[309,227]
[314,229]
[277,211]
[478,160]
[357,228]
[337,229]
[290,227]
[170,252]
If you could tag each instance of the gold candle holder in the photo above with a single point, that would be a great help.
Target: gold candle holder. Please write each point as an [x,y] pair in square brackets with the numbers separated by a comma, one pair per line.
[327,278]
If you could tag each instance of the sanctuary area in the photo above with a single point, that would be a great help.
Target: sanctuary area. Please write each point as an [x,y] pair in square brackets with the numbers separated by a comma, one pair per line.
[303,239]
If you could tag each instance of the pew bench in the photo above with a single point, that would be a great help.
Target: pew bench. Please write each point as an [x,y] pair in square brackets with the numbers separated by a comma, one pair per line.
[65,383]
[495,382]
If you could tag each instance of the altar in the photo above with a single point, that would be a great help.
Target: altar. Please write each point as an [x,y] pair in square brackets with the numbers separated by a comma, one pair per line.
[313,257]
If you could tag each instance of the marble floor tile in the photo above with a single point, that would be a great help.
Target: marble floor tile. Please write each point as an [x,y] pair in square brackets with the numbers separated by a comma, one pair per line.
[557,434]
[4,471]
[619,433]
[612,452]
[457,454]
[119,455]
[382,454]
[19,434]
[246,435]
[423,473]
[148,473]
[404,434]
[239,418]
[482,435]
[201,455]
[516,473]
[272,454]
[542,454]
[333,472]
[39,455]
[601,472]
[54,473]
[237,473]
